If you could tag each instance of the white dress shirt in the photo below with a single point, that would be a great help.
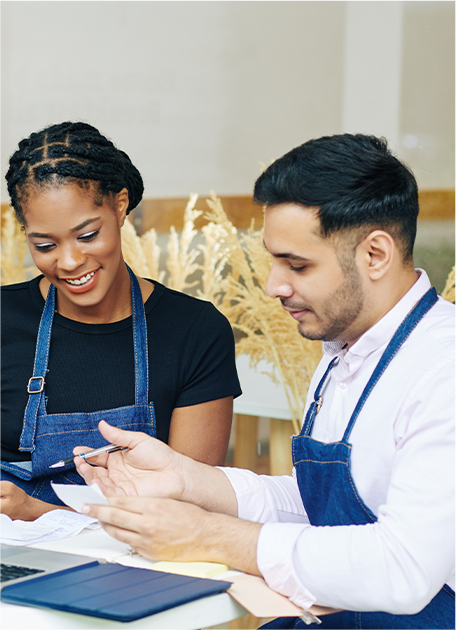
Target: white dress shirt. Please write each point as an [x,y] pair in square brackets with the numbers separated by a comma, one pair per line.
[402,464]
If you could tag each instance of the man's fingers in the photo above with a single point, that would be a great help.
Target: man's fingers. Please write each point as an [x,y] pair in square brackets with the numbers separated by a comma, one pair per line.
[120,437]
[99,460]
[124,519]
[81,449]
[136,505]
[131,538]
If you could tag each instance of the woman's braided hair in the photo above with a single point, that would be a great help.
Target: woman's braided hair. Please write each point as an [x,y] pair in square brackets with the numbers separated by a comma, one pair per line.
[71,152]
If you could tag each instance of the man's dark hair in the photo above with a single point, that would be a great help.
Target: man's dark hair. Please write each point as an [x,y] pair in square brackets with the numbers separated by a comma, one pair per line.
[353,180]
[71,152]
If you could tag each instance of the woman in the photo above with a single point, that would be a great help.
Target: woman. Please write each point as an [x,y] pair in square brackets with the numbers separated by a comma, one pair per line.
[87,340]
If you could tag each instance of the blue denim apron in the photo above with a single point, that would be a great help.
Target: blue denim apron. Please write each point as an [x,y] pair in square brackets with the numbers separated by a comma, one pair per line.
[50,438]
[330,497]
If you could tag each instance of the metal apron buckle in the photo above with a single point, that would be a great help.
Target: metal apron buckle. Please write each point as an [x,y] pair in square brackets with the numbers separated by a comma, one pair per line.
[35,391]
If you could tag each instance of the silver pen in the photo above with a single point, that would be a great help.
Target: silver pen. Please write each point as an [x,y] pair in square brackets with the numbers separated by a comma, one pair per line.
[109,448]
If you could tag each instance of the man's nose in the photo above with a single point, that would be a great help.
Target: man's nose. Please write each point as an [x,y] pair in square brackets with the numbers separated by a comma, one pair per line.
[277,285]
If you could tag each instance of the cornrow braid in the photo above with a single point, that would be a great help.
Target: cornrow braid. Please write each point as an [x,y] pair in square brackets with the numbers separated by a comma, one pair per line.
[74,152]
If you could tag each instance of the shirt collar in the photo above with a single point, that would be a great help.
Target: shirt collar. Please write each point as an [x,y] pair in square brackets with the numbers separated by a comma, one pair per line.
[381,332]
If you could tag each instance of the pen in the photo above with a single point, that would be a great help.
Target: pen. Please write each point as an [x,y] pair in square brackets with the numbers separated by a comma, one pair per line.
[109,448]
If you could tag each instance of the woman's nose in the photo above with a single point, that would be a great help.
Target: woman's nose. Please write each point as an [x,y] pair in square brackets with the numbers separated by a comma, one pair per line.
[70,257]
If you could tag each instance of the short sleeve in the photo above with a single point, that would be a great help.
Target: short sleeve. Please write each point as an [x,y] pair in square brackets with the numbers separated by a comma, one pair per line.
[209,364]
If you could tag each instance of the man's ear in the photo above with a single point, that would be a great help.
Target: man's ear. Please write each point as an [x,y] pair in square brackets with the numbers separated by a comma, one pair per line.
[121,205]
[377,253]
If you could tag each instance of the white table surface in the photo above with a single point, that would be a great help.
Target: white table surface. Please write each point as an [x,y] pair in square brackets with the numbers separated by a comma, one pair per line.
[202,613]
[260,395]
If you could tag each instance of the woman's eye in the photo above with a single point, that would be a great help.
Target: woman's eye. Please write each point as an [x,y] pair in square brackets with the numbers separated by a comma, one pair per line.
[297,268]
[88,237]
[45,247]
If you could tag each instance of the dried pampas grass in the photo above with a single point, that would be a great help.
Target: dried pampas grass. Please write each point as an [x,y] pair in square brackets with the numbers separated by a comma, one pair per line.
[231,272]
[14,251]
[268,331]
[448,291]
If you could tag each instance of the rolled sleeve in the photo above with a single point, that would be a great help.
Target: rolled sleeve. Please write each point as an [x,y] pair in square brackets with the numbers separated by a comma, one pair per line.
[265,499]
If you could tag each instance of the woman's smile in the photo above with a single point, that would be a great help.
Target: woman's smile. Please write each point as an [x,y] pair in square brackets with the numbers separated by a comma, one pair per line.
[76,244]
[83,283]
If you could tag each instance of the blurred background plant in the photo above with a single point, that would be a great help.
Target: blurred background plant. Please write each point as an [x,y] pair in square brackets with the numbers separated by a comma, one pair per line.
[230,269]
[14,251]
[216,263]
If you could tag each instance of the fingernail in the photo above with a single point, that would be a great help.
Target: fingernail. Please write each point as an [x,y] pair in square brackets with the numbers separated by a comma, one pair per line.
[85,509]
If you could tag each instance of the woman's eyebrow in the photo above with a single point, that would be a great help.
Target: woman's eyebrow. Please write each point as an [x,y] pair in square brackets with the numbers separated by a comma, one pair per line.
[75,229]
[84,223]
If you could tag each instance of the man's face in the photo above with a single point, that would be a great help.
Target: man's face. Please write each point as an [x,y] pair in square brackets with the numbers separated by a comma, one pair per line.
[326,300]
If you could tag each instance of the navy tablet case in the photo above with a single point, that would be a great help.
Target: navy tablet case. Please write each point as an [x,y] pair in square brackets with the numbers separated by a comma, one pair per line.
[111,591]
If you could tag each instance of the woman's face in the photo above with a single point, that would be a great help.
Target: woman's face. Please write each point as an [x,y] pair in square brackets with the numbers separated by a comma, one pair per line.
[76,244]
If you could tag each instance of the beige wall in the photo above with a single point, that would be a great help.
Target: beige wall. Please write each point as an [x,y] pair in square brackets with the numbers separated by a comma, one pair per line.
[427,112]
[198,93]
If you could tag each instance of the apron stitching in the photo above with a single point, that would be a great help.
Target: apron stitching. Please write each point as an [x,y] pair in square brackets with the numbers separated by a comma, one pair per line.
[94,430]
[448,591]
[94,413]
[315,461]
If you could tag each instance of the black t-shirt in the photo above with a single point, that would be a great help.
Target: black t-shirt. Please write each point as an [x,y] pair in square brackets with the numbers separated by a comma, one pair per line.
[91,366]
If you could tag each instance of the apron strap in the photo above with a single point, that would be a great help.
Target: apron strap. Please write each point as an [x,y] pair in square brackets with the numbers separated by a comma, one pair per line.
[140,342]
[35,385]
[402,333]
[317,401]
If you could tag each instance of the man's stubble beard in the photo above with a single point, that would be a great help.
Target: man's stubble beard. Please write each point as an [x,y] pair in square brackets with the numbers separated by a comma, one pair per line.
[341,309]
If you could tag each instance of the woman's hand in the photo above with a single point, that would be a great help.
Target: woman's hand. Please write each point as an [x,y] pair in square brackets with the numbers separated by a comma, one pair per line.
[148,468]
[17,504]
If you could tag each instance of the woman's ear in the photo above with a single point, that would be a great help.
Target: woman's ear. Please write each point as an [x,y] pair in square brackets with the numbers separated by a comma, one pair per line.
[121,205]
[378,250]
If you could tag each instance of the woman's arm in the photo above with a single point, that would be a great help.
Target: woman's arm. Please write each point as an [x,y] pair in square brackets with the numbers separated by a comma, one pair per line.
[202,431]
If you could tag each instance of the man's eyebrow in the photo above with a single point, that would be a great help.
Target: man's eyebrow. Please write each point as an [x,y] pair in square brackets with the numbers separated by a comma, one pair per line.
[287,255]
[291,257]
[75,229]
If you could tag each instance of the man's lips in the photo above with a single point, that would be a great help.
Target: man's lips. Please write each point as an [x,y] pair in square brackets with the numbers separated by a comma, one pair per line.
[296,313]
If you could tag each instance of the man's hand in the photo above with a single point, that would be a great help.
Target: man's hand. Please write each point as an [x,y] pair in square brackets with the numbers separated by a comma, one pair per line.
[17,504]
[166,529]
[150,468]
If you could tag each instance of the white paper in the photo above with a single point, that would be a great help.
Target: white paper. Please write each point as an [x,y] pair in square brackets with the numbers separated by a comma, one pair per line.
[76,496]
[50,526]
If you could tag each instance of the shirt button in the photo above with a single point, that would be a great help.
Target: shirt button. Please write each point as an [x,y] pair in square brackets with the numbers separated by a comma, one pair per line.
[342,385]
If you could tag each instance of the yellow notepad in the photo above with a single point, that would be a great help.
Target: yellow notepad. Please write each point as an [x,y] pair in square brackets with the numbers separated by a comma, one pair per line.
[194,569]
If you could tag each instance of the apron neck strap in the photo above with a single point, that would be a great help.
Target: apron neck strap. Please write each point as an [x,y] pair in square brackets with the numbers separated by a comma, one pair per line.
[400,336]
[140,342]
[35,385]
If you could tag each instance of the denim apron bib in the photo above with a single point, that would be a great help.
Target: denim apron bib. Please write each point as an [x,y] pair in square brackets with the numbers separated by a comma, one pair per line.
[50,438]
[330,497]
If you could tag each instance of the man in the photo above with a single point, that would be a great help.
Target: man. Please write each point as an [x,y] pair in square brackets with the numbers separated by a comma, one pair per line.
[365,524]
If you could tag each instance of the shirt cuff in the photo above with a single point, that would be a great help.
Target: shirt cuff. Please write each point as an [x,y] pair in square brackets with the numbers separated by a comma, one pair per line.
[253,498]
[275,550]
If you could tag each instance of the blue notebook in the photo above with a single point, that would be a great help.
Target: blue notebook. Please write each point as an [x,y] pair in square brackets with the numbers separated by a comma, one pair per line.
[111,591]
